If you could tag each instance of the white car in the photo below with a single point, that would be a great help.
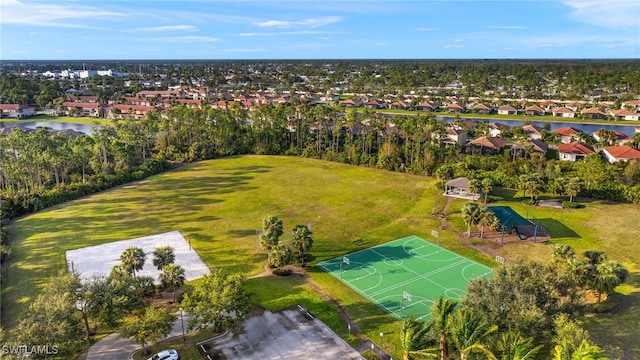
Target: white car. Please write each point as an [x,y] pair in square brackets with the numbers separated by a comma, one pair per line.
[166,355]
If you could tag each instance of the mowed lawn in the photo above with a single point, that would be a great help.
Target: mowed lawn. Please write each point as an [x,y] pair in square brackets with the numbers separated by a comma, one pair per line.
[218,205]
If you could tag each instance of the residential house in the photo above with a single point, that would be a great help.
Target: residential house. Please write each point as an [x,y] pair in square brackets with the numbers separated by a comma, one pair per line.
[533,132]
[455,136]
[624,114]
[507,110]
[16,111]
[454,108]
[593,113]
[400,104]
[621,153]
[351,103]
[121,111]
[534,110]
[563,112]
[574,151]
[83,109]
[548,105]
[375,104]
[487,145]
[617,137]
[633,105]
[567,134]
[498,129]
[427,106]
[481,109]
[523,147]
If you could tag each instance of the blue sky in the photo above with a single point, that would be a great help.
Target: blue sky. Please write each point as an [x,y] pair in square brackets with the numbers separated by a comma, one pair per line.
[305,29]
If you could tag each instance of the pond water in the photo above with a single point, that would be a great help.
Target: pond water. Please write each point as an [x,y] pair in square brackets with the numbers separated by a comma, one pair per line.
[588,128]
[83,128]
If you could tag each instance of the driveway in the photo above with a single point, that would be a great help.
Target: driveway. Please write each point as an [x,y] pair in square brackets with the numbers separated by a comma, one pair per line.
[113,347]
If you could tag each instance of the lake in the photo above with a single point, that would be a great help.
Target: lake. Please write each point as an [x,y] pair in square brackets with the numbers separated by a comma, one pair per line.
[84,128]
[628,130]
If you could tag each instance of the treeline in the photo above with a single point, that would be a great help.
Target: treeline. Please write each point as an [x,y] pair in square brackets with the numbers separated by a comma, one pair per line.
[529,310]
[39,169]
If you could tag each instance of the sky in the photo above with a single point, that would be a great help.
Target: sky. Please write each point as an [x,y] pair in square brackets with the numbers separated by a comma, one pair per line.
[310,29]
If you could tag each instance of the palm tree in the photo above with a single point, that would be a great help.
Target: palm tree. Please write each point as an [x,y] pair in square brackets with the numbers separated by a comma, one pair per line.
[486,217]
[163,256]
[133,259]
[272,229]
[441,311]
[586,351]
[563,254]
[415,340]
[468,332]
[572,188]
[301,240]
[608,275]
[512,346]
[474,186]
[470,212]
[172,276]
[487,186]
[281,256]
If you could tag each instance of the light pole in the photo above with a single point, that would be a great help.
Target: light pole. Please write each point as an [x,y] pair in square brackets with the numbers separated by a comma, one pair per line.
[372,350]
[381,345]
[184,339]
[349,328]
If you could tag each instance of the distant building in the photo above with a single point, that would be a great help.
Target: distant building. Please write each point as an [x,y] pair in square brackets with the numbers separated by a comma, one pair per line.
[621,153]
[16,111]
[574,151]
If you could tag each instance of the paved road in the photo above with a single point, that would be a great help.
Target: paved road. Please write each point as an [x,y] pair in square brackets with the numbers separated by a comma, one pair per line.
[113,347]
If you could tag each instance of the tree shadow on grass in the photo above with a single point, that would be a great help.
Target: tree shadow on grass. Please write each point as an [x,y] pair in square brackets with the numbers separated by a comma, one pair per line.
[558,229]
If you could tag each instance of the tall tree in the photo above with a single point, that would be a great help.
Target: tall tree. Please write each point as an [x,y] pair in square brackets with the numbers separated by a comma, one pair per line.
[487,187]
[471,215]
[272,229]
[172,276]
[133,259]
[512,346]
[163,256]
[217,300]
[152,325]
[441,311]
[301,241]
[470,333]
[415,340]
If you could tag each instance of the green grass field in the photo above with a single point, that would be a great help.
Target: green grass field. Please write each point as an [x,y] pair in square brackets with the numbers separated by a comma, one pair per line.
[406,276]
[219,204]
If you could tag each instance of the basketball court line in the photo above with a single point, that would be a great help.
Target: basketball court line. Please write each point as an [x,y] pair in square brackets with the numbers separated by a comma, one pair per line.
[393,302]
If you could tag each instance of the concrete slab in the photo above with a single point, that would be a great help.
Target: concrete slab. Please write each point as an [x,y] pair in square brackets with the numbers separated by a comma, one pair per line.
[284,335]
[100,259]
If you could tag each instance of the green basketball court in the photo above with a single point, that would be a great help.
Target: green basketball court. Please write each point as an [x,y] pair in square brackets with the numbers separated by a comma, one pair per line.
[405,276]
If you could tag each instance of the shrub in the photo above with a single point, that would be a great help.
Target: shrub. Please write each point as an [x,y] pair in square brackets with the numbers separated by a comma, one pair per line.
[282,272]
[571,205]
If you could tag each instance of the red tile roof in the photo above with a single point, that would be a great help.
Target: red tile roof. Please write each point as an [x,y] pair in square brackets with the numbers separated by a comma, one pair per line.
[507,108]
[567,131]
[592,111]
[563,110]
[82,105]
[575,148]
[623,152]
[9,107]
[491,143]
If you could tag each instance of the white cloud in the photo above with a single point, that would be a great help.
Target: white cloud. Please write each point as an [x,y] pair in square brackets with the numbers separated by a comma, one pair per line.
[53,15]
[453,46]
[277,33]
[380,44]
[169,28]
[607,14]
[426,29]
[311,23]
[458,40]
